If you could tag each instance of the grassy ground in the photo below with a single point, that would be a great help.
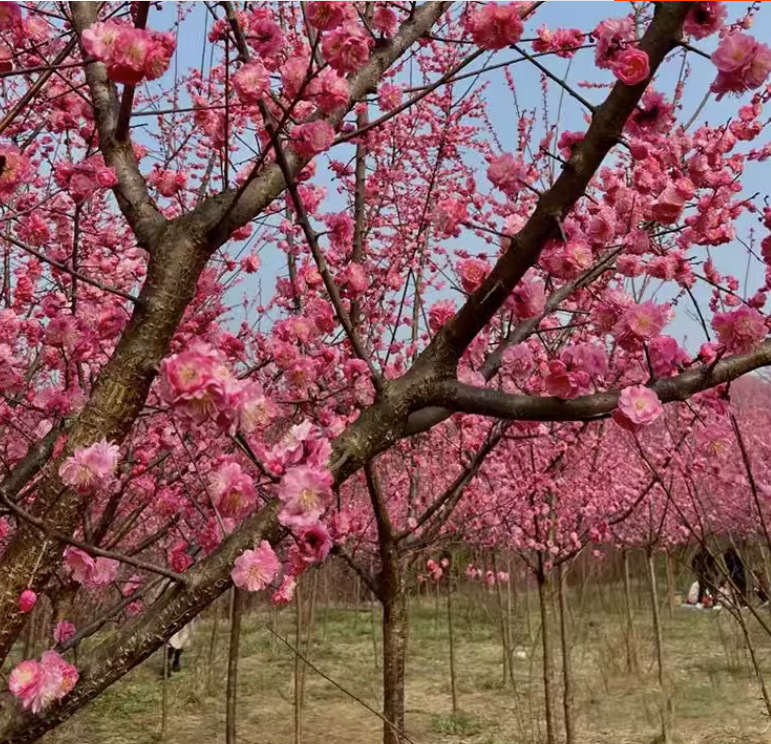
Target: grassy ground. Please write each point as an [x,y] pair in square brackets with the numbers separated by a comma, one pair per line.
[716,695]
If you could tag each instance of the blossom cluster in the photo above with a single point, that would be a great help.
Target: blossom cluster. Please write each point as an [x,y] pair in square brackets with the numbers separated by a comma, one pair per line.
[130,54]
[37,684]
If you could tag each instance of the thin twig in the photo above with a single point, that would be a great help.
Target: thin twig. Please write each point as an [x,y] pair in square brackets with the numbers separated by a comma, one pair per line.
[339,686]
[67,270]
[90,549]
[318,256]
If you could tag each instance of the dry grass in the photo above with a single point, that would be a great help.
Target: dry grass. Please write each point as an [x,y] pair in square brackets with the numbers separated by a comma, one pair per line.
[716,700]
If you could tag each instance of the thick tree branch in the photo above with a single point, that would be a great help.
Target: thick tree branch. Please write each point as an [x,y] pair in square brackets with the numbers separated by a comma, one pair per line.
[130,645]
[426,418]
[32,463]
[240,207]
[131,191]
[604,132]
[481,401]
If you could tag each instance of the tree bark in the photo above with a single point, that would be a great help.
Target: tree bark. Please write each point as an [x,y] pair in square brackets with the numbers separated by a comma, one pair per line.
[394,651]
[232,686]
[548,652]
[670,585]
[451,637]
[299,667]
[567,670]
[505,620]
[632,664]
[666,707]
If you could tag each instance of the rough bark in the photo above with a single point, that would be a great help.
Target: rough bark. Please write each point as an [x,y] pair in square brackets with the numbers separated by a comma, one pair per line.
[632,664]
[451,639]
[142,636]
[666,698]
[178,251]
[394,656]
[566,642]
[231,694]
[548,652]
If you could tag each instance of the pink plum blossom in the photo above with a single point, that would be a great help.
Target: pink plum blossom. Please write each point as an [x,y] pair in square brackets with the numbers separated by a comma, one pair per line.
[562,41]
[638,406]
[518,361]
[254,569]
[326,15]
[27,600]
[612,36]
[255,409]
[131,54]
[448,216]
[329,90]
[631,66]
[90,466]
[641,322]
[193,381]
[669,206]
[234,491]
[251,82]
[285,593]
[528,299]
[472,273]
[64,631]
[384,20]
[389,97]
[495,25]
[267,37]
[178,557]
[37,684]
[314,543]
[704,18]
[507,173]
[312,138]
[740,331]
[305,493]
[15,170]
[104,573]
[742,62]
[439,313]
[80,564]
[346,48]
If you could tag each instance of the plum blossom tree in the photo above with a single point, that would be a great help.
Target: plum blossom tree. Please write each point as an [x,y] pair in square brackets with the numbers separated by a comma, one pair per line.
[149,439]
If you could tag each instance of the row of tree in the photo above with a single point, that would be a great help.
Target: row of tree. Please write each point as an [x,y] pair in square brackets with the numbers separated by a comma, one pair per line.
[383,391]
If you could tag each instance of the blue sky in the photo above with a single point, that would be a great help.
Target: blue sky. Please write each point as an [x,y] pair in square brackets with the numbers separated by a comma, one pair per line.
[731,258]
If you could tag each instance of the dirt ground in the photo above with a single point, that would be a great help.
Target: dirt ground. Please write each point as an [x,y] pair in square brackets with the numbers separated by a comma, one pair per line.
[716,699]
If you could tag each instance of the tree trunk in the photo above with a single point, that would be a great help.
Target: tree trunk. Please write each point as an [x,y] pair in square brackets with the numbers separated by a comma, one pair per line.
[451,635]
[548,654]
[298,665]
[508,671]
[753,658]
[632,664]
[666,708]
[232,685]
[212,648]
[394,603]
[567,671]
[670,585]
